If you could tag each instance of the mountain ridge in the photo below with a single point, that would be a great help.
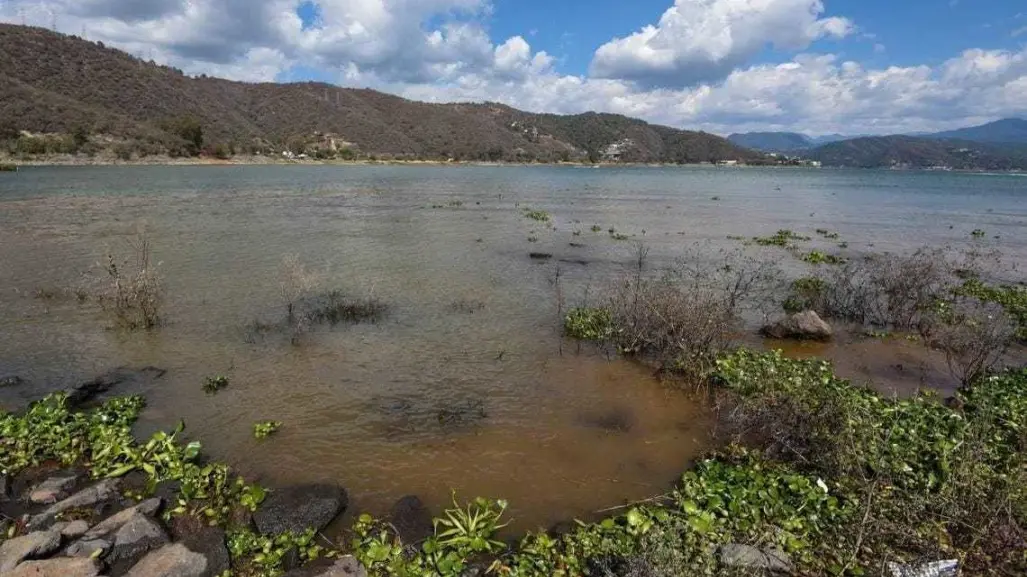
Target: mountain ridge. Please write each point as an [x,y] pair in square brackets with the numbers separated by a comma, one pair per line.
[61,84]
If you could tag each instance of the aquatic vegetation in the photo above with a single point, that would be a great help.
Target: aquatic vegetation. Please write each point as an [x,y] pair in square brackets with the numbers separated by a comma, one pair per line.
[576,233]
[843,245]
[715,198]
[334,307]
[782,238]
[1012,298]
[619,236]
[817,257]
[255,555]
[8,167]
[828,234]
[589,324]
[596,228]
[805,294]
[456,203]
[211,385]
[533,238]
[537,215]
[265,429]
[978,233]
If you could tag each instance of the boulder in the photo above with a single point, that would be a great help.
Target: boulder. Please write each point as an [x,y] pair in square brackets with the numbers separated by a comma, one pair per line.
[89,497]
[749,557]
[411,520]
[60,567]
[346,566]
[53,489]
[174,560]
[807,326]
[123,537]
[31,546]
[73,529]
[85,392]
[91,548]
[209,542]
[299,508]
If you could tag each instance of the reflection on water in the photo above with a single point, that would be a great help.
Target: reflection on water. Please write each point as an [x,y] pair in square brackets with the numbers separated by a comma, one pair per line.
[464,385]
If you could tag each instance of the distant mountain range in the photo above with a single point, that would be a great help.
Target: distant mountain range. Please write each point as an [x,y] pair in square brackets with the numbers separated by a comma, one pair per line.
[999,145]
[102,99]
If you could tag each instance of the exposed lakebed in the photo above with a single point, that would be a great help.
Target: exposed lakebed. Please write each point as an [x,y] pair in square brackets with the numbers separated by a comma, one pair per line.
[465,384]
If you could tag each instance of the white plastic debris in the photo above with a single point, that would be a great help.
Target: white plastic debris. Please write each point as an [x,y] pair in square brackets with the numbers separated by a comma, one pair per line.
[948,568]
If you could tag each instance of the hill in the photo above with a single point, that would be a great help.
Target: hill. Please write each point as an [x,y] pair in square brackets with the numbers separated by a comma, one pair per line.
[89,97]
[784,142]
[914,152]
[1007,130]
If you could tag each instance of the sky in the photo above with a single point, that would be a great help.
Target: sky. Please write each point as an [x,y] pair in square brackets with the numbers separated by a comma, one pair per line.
[723,66]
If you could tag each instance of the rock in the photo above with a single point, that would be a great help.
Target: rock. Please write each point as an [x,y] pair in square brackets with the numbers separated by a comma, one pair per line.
[806,325]
[88,548]
[53,489]
[31,546]
[60,567]
[115,522]
[300,507]
[137,536]
[209,542]
[123,537]
[11,381]
[749,557]
[411,519]
[174,560]
[345,566]
[90,496]
[74,529]
[85,392]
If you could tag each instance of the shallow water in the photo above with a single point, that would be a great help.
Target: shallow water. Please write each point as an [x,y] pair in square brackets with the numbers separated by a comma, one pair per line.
[435,397]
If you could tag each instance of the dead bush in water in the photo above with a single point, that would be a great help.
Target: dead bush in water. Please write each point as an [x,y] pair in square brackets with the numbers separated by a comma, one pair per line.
[973,335]
[131,290]
[296,282]
[684,317]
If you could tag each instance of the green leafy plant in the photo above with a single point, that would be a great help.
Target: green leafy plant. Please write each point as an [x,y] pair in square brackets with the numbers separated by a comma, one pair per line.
[817,257]
[978,233]
[589,324]
[256,555]
[265,429]
[782,238]
[211,385]
[596,228]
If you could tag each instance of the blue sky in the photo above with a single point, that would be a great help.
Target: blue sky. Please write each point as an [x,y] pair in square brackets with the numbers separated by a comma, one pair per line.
[815,66]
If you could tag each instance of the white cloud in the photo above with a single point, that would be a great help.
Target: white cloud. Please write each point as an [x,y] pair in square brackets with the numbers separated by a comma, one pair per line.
[703,40]
[440,50]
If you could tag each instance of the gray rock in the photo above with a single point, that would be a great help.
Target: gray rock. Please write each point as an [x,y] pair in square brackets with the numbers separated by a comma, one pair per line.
[53,489]
[174,560]
[806,325]
[411,519]
[74,529]
[85,392]
[749,557]
[11,381]
[31,546]
[90,496]
[60,567]
[114,522]
[209,542]
[346,566]
[88,548]
[299,508]
[137,536]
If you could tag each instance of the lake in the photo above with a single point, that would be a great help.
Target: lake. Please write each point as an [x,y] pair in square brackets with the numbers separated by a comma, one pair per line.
[473,327]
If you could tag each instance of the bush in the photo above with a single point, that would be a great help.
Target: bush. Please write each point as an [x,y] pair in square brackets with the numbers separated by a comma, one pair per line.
[974,335]
[132,291]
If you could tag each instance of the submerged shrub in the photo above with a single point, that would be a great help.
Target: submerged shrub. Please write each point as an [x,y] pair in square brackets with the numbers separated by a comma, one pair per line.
[131,291]
[974,336]
[1012,298]
[537,215]
[334,308]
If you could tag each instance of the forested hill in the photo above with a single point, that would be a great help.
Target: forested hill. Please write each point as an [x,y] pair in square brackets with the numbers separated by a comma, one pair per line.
[101,98]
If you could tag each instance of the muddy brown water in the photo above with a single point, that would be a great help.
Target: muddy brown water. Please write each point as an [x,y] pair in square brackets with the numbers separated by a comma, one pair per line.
[465,385]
